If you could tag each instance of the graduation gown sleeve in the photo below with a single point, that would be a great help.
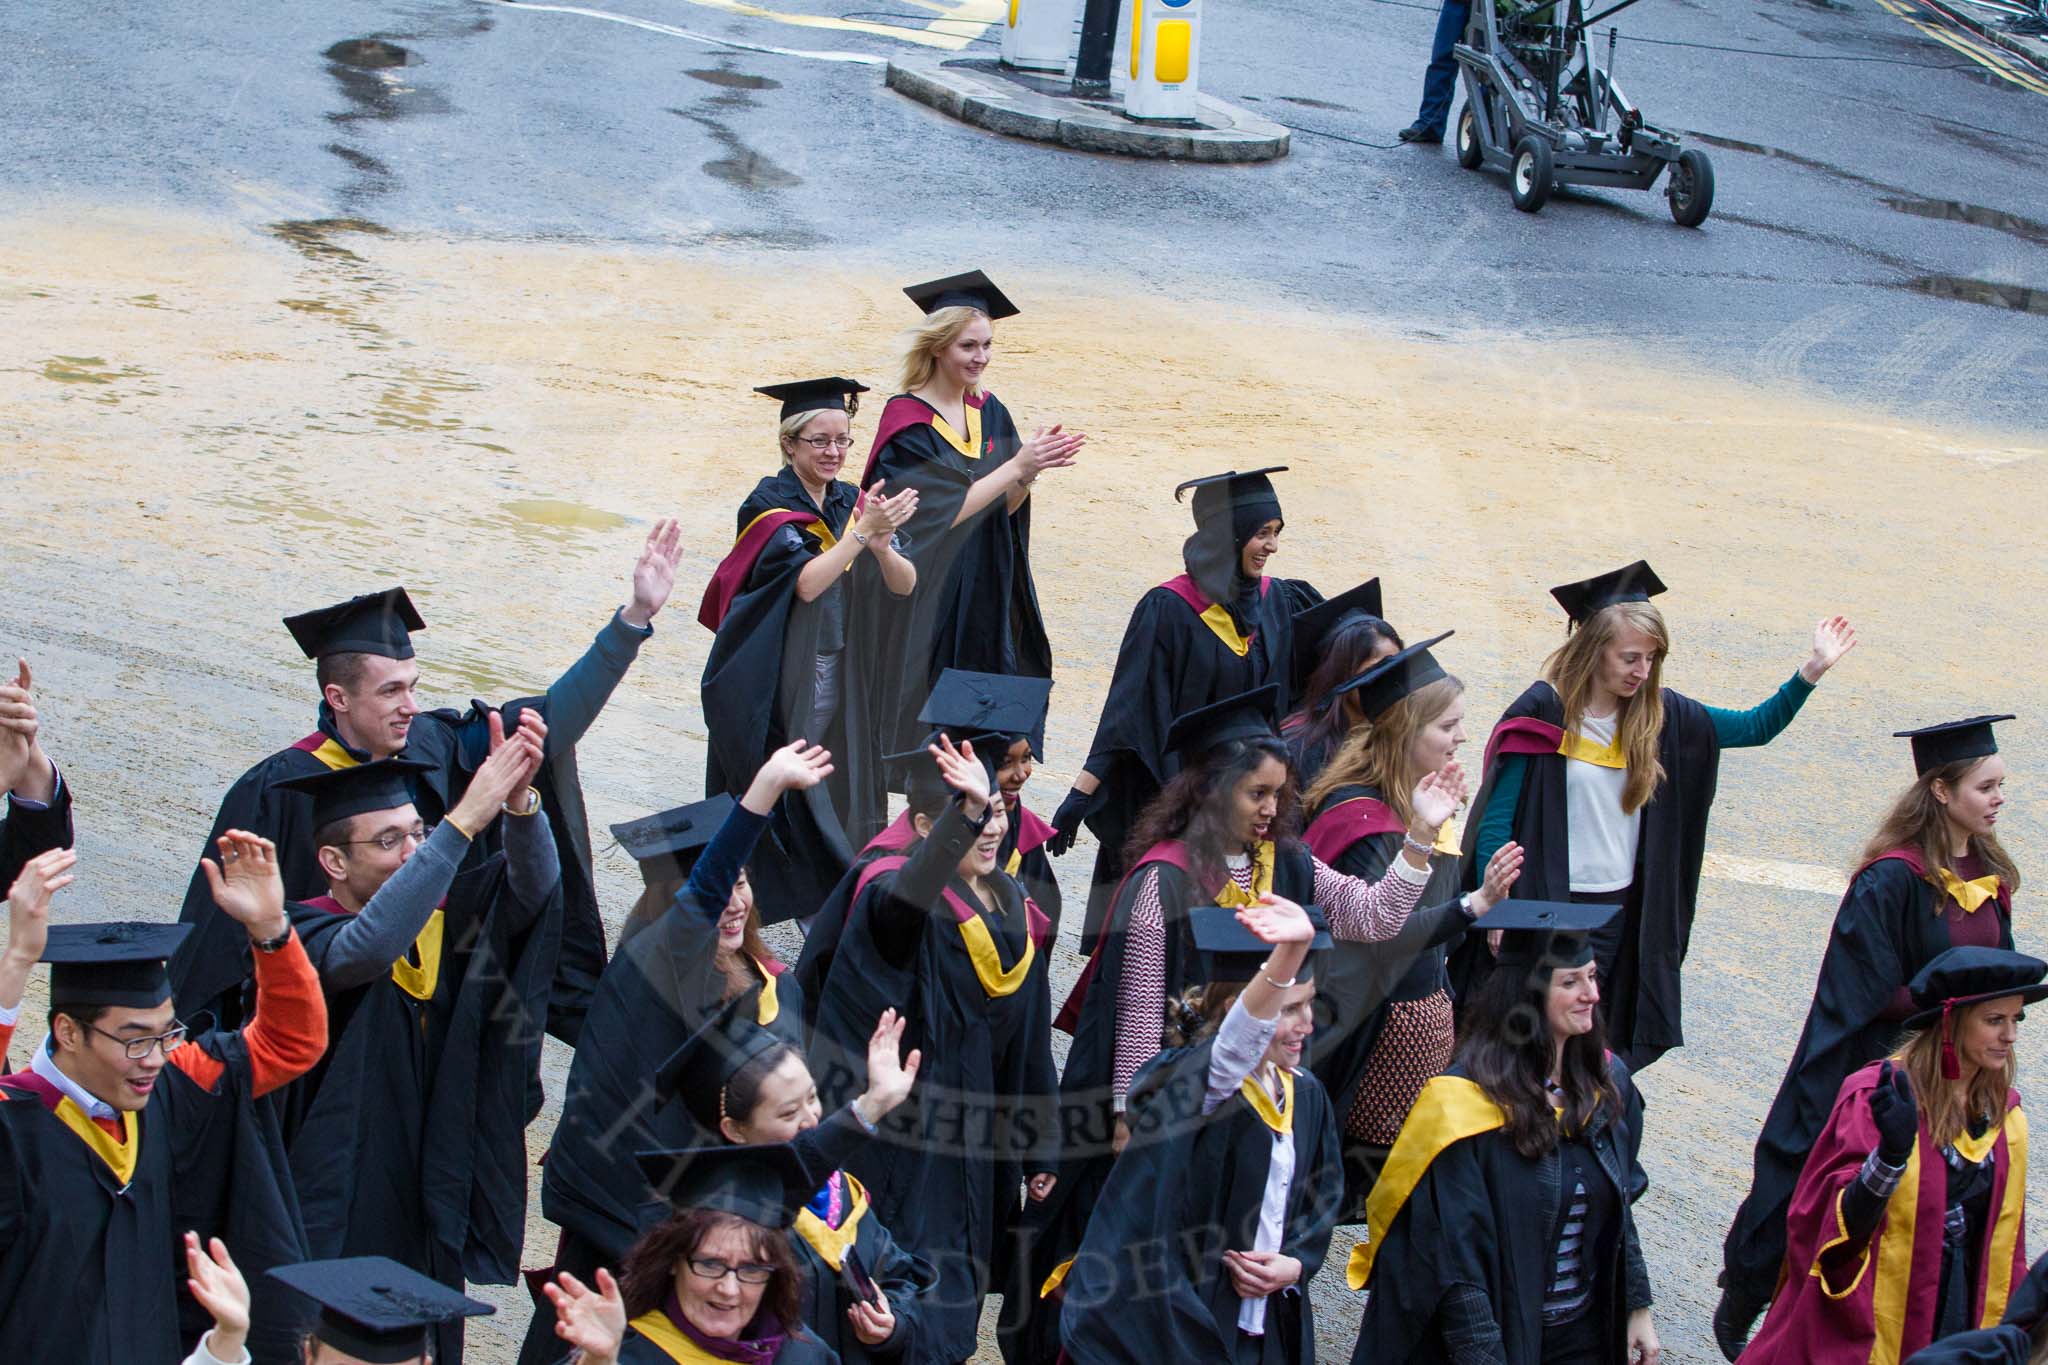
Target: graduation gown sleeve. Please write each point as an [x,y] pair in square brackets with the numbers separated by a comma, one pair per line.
[27,831]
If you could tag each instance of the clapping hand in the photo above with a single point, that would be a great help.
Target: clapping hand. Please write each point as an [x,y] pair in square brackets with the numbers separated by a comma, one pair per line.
[654,573]
[28,919]
[593,1321]
[1502,870]
[508,770]
[1832,638]
[1050,447]
[23,767]
[883,514]
[1275,919]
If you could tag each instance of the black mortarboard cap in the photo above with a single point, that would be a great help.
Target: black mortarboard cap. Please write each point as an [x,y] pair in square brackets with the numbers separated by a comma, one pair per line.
[1313,627]
[753,1182]
[816,395]
[1249,715]
[1396,676]
[1218,497]
[1552,933]
[697,1072]
[1935,746]
[1230,952]
[375,1309]
[374,623]
[119,964]
[338,793]
[666,845]
[1968,975]
[1636,583]
[969,704]
[971,290]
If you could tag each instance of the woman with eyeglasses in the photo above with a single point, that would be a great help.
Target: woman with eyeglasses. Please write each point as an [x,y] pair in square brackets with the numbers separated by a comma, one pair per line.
[778,605]
[718,1280]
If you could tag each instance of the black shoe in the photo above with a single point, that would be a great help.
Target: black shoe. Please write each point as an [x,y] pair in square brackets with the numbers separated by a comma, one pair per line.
[1421,132]
[1734,1316]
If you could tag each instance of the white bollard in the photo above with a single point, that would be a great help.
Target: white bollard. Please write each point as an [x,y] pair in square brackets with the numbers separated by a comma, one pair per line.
[1038,35]
[1166,44]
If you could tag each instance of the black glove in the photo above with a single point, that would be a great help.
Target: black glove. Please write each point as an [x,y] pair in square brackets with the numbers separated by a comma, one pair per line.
[1068,819]
[1896,1116]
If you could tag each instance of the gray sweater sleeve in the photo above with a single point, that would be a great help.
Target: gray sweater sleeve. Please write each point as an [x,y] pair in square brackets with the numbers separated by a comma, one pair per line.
[579,694]
[364,949]
[533,869]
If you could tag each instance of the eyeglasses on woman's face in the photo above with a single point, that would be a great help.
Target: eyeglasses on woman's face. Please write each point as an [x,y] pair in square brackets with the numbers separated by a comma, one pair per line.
[821,444]
[711,1268]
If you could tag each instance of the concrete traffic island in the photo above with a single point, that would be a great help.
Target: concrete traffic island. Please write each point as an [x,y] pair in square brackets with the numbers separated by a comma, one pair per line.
[986,94]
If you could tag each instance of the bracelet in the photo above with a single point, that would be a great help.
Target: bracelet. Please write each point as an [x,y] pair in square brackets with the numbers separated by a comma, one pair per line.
[860,540]
[450,820]
[532,805]
[1426,850]
[1288,984]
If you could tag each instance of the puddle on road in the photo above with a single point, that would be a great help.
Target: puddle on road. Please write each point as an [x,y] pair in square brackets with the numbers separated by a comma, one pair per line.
[314,237]
[1305,102]
[742,165]
[733,80]
[1950,210]
[1962,289]
[555,513]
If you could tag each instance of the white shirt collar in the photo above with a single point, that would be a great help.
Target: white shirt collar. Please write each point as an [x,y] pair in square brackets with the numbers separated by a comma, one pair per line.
[45,1065]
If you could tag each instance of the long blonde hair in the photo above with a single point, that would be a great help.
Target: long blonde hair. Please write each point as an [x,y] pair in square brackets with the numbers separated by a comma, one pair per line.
[1919,822]
[1640,726]
[1948,1106]
[1376,752]
[919,360]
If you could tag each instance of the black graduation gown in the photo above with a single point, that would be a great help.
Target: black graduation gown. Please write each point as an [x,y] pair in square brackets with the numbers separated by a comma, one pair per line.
[905,1280]
[1023,856]
[1644,1015]
[1484,1215]
[659,989]
[975,606]
[950,1159]
[1171,662]
[760,681]
[1886,929]
[92,1273]
[409,1139]
[1088,1085]
[1359,980]
[1148,1283]
[26,833]
[210,972]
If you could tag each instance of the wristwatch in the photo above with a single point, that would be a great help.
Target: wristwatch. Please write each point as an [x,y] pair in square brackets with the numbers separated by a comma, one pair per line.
[1465,908]
[860,540]
[271,945]
[531,806]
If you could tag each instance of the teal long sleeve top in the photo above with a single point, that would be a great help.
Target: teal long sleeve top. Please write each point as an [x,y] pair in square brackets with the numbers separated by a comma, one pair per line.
[1757,726]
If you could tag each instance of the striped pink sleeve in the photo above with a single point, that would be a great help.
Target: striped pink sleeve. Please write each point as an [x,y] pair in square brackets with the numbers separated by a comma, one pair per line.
[1141,990]
[1368,912]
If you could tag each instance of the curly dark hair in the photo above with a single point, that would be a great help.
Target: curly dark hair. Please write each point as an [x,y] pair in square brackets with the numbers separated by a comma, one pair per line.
[648,1274]
[1505,1049]
[1195,807]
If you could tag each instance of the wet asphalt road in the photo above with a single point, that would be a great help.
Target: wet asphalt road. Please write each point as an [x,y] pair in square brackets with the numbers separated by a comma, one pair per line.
[524,123]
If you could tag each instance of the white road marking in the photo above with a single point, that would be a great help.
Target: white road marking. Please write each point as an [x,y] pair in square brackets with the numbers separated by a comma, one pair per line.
[711,39]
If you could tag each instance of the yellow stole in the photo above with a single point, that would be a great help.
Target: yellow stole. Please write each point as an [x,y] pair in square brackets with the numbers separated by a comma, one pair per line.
[988,963]
[1280,1120]
[654,1326]
[419,971]
[1450,1109]
[829,1242]
[333,755]
[1233,897]
[1609,755]
[1016,861]
[968,445]
[766,1008]
[814,527]
[1971,894]
[1217,619]
[120,1155]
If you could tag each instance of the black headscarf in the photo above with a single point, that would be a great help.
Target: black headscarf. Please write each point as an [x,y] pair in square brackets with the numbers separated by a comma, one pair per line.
[1227,515]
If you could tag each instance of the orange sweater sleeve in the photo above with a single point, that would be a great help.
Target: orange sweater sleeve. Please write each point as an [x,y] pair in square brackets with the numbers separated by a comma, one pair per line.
[287,1033]
[6,1045]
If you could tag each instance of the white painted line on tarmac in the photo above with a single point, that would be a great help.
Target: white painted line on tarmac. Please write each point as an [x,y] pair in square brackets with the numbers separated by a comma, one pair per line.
[711,39]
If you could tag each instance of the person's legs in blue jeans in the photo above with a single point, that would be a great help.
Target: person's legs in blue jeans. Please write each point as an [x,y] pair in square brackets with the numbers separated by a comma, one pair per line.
[1440,81]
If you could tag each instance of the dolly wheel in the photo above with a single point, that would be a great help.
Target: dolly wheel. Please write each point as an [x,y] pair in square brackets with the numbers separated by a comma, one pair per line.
[1691,190]
[1469,150]
[1529,177]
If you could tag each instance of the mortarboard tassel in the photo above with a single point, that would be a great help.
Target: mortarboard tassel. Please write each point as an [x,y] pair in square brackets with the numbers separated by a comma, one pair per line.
[1951,1067]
